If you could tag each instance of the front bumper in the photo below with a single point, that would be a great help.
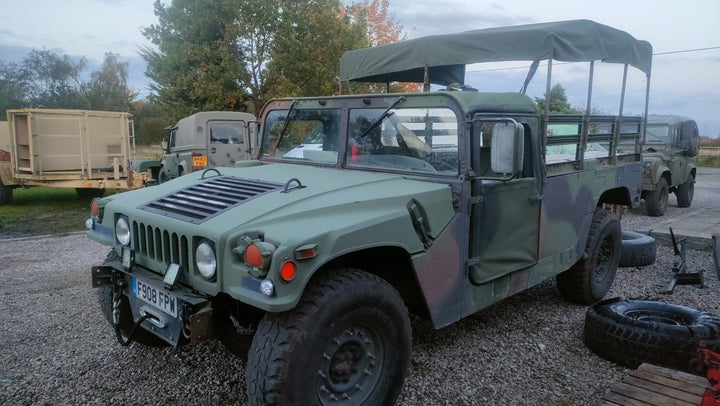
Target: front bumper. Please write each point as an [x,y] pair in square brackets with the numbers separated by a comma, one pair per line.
[176,315]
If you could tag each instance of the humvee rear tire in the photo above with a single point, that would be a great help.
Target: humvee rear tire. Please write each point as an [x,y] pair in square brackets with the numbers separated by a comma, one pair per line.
[657,200]
[685,192]
[105,294]
[348,339]
[6,194]
[591,277]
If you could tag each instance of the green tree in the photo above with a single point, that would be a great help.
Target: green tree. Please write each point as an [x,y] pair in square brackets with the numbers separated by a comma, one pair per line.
[54,81]
[196,63]
[558,102]
[108,88]
[150,120]
[13,88]
[306,55]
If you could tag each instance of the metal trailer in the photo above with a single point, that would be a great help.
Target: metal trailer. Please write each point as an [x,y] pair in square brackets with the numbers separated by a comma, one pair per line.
[82,149]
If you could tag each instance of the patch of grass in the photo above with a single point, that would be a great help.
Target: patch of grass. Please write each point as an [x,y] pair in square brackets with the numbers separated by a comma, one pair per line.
[44,210]
[708,161]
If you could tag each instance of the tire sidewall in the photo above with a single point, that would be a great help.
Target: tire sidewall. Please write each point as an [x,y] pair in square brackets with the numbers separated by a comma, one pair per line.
[321,317]
[609,233]
[686,192]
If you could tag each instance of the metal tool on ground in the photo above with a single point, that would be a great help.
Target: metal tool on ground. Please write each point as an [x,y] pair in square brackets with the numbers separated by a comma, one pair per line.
[681,275]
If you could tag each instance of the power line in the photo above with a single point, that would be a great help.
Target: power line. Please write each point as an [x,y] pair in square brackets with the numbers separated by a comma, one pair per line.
[686,50]
[565,63]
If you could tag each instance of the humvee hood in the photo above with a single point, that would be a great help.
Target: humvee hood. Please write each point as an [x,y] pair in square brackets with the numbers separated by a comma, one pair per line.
[269,193]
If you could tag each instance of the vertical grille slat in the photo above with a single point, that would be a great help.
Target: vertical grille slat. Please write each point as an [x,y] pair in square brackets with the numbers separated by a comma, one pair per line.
[203,201]
[157,245]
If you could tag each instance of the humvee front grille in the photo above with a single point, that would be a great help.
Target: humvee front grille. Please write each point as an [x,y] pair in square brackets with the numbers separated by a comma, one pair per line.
[160,246]
[203,201]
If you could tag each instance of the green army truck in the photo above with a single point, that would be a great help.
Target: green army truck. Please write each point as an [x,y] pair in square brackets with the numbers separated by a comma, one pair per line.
[669,155]
[363,209]
[206,140]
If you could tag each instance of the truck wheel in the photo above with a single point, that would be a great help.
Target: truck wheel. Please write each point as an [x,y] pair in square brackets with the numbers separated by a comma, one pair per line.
[591,277]
[630,332]
[637,249]
[657,200]
[163,175]
[105,294]
[685,192]
[6,194]
[347,342]
[89,193]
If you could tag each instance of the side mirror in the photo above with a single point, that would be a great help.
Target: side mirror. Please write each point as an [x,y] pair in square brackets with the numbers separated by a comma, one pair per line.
[164,145]
[507,144]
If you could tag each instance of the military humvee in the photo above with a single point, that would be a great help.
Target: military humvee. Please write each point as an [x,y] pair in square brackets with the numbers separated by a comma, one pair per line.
[669,151]
[206,140]
[362,209]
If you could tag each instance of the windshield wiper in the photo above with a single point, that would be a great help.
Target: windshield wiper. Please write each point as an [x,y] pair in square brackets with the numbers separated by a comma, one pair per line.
[287,121]
[382,117]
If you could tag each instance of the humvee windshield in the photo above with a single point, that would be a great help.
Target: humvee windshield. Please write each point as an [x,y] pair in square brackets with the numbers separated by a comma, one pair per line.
[657,134]
[407,139]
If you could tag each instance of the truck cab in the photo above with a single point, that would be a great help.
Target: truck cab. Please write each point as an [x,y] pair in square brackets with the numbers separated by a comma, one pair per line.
[206,140]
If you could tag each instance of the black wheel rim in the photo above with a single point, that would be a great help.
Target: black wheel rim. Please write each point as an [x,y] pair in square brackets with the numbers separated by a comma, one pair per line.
[603,259]
[350,366]
[660,317]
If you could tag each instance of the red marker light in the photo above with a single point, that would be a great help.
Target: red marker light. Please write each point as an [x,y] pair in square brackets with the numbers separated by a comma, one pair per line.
[287,271]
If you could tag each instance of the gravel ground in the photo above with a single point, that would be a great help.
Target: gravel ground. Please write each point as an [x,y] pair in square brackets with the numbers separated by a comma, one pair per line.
[56,347]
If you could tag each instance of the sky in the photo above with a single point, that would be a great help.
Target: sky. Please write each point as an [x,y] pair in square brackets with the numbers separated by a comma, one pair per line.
[685,83]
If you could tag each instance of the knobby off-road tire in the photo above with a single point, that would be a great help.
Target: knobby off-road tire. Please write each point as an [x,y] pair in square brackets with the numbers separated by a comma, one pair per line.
[637,249]
[591,277]
[656,201]
[685,192]
[630,332]
[348,339]
[105,295]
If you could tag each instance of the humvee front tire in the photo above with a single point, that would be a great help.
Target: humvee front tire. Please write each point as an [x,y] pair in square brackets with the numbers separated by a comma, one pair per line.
[105,297]
[347,341]
[591,277]
[657,200]
[685,192]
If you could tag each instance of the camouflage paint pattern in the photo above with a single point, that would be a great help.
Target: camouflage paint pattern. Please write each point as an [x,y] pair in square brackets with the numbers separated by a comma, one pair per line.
[472,241]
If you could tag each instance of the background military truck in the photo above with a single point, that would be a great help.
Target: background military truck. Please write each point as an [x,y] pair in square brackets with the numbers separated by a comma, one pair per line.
[81,149]
[362,209]
[669,155]
[206,140]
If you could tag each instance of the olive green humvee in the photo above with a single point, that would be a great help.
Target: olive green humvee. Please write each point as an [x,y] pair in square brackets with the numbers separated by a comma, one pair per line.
[360,210]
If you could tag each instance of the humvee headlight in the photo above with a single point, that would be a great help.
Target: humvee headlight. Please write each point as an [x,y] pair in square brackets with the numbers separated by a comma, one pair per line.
[205,259]
[122,231]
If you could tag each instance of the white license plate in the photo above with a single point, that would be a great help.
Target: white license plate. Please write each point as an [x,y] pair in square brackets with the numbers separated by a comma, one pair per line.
[155,297]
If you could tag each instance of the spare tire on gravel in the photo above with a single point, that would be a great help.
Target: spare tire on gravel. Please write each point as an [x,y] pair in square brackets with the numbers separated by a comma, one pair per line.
[637,249]
[630,332]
